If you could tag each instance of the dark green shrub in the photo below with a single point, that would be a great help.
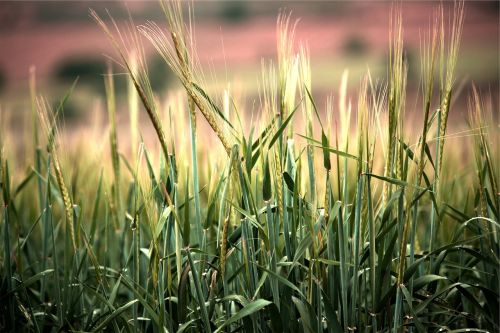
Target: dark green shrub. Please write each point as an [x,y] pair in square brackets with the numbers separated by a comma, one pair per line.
[234,11]
[355,46]
[88,70]
[160,74]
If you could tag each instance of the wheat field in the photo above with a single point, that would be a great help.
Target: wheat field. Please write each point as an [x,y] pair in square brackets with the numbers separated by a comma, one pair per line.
[297,218]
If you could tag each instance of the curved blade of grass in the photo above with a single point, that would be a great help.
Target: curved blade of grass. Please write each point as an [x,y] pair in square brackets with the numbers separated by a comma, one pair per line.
[283,126]
[321,145]
[308,320]
[283,280]
[114,314]
[199,293]
[212,104]
[247,310]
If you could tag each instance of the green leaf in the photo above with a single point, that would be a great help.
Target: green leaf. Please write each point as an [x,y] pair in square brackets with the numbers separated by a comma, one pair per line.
[199,293]
[282,128]
[114,314]
[388,179]
[314,106]
[305,314]
[326,154]
[266,186]
[161,222]
[212,104]
[282,280]
[422,281]
[429,155]
[332,150]
[24,183]
[247,310]
[288,181]
[186,229]
[409,301]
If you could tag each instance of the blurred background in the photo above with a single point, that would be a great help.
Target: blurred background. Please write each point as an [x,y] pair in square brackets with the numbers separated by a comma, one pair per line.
[61,40]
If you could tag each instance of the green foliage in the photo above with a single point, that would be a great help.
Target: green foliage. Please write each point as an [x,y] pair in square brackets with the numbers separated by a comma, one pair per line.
[89,71]
[355,46]
[234,11]
[159,74]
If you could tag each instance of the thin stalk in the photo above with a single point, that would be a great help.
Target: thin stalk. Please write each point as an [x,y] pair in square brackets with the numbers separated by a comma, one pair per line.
[115,159]
[196,186]
[373,254]
[343,268]
[356,254]
[7,247]
[199,293]
[54,248]
[47,216]
[402,259]
[273,252]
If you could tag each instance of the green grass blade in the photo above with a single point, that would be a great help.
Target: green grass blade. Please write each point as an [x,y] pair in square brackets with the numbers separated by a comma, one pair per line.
[249,309]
